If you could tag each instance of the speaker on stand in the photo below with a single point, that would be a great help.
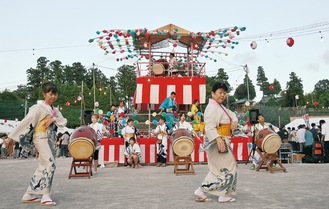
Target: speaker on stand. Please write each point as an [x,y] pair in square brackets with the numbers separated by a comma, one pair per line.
[87,116]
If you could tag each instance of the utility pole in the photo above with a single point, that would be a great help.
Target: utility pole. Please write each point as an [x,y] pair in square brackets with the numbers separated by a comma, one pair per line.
[247,71]
[94,86]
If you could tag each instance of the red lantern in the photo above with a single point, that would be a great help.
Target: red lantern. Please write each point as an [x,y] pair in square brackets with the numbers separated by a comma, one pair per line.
[271,87]
[315,103]
[122,114]
[67,103]
[290,42]
[112,131]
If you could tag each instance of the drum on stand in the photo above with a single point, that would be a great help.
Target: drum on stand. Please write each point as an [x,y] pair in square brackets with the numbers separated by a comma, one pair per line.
[83,142]
[182,143]
[158,69]
[268,141]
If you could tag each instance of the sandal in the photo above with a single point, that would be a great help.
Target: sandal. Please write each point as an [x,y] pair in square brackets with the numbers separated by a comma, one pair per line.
[48,203]
[35,199]
[164,165]
[203,199]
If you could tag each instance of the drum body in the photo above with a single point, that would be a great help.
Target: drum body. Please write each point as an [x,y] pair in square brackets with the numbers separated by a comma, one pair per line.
[83,142]
[268,141]
[182,143]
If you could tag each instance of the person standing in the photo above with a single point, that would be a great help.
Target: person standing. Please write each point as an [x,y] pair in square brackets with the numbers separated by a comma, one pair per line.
[161,132]
[300,134]
[3,145]
[222,177]
[169,106]
[183,124]
[99,130]
[293,138]
[325,136]
[63,153]
[45,119]
[308,141]
[314,132]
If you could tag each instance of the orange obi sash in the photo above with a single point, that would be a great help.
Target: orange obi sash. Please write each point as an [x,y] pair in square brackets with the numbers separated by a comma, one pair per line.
[224,129]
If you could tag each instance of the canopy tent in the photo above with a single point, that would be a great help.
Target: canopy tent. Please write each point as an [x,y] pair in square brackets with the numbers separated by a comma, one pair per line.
[299,121]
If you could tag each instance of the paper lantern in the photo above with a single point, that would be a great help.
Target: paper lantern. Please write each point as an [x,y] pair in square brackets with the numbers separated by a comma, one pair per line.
[164,114]
[99,121]
[247,103]
[112,131]
[124,122]
[134,114]
[253,45]
[67,103]
[122,114]
[109,113]
[271,87]
[189,114]
[154,114]
[147,122]
[176,114]
[155,122]
[315,103]
[96,104]
[199,114]
[100,112]
[297,97]
[79,98]
[135,122]
[290,42]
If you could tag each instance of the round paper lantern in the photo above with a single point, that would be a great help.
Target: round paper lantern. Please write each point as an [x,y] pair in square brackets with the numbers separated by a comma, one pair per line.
[100,112]
[247,103]
[124,122]
[134,114]
[154,114]
[253,45]
[199,114]
[315,103]
[189,114]
[109,113]
[271,87]
[164,114]
[99,121]
[67,103]
[122,114]
[155,122]
[297,97]
[112,131]
[290,42]
[135,122]
[147,122]
[96,104]
[79,98]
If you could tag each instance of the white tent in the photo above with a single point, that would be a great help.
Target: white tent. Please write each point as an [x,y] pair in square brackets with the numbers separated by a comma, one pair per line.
[298,121]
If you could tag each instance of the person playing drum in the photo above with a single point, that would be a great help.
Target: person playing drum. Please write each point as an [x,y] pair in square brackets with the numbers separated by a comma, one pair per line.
[129,131]
[161,132]
[222,177]
[183,124]
[256,159]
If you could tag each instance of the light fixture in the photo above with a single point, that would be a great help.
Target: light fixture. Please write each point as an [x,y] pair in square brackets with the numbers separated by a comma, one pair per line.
[321,39]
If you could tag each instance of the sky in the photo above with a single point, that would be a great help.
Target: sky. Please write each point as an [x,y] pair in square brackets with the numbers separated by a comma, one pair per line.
[60,30]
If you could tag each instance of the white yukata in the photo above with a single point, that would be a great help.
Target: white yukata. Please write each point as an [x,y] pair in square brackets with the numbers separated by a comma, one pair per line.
[222,177]
[256,158]
[162,133]
[44,140]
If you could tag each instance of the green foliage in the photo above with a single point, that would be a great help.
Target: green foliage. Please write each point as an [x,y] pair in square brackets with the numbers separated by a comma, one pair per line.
[294,87]
[241,91]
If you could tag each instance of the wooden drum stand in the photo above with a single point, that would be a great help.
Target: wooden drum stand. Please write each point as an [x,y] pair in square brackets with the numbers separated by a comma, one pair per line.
[268,160]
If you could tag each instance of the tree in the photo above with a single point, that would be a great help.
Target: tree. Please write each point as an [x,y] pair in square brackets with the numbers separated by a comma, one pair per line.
[262,80]
[294,94]
[222,77]
[126,80]
[319,89]
[241,91]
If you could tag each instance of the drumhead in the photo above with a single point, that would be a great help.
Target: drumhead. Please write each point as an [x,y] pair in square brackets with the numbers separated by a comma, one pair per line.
[81,148]
[158,69]
[183,146]
[271,143]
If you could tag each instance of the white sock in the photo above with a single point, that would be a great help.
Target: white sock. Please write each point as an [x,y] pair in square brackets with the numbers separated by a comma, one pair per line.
[28,196]
[200,193]
[46,197]
[224,198]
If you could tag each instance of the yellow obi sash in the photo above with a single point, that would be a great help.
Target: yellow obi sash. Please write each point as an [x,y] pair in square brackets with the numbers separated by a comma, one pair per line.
[162,135]
[129,135]
[41,128]
[224,129]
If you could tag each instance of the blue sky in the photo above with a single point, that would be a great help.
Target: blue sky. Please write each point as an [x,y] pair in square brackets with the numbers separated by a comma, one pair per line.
[51,27]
